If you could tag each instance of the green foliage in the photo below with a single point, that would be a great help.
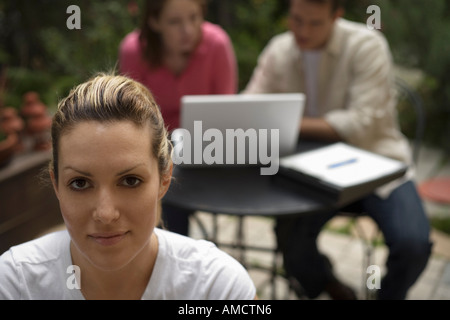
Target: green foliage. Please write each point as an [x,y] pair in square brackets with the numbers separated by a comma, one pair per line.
[51,87]
[44,56]
[94,47]
[441,224]
[2,136]
[251,33]
[21,80]
[250,24]
[419,37]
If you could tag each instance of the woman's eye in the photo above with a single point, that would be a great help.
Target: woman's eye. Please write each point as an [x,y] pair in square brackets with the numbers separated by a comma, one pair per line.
[79,184]
[174,21]
[131,182]
[195,17]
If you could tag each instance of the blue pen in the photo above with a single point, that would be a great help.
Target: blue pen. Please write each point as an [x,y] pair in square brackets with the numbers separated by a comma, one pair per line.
[342,163]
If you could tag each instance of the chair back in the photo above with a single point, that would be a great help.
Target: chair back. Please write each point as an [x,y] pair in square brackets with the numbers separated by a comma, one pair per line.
[408,97]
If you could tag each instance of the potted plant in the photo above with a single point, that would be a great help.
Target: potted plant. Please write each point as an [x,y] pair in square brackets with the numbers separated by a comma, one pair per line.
[37,121]
[11,126]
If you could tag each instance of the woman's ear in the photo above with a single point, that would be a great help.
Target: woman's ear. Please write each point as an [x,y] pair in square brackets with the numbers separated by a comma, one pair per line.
[153,24]
[54,182]
[165,183]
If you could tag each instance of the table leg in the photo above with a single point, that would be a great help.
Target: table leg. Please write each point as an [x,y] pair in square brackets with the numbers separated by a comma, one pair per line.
[215,228]
[240,241]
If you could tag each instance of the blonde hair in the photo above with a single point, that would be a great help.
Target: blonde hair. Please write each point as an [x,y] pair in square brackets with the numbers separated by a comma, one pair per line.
[109,98]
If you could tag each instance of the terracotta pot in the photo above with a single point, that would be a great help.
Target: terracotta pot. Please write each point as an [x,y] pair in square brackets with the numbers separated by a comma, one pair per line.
[10,122]
[39,123]
[7,148]
[29,99]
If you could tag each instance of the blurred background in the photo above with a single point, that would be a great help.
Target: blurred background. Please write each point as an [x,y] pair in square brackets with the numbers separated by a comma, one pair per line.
[38,53]
[41,59]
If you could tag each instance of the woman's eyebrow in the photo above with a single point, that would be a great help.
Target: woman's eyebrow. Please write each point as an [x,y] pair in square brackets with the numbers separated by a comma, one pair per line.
[76,170]
[90,175]
[128,170]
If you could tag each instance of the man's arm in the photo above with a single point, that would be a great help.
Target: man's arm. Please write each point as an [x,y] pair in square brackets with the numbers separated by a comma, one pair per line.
[369,112]
[318,129]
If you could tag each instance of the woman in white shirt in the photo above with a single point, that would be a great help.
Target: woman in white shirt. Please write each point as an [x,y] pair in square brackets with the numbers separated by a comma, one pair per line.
[111,167]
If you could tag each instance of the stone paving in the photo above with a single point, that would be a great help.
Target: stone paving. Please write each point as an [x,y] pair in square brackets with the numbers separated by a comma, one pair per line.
[345,251]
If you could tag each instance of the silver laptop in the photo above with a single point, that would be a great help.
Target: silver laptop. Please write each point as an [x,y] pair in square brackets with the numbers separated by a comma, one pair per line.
[240,129]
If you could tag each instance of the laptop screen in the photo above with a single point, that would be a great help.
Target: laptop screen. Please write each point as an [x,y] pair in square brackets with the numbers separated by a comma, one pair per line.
[240,129]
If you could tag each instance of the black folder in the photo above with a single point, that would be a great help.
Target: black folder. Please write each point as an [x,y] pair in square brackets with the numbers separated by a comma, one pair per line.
[339,172]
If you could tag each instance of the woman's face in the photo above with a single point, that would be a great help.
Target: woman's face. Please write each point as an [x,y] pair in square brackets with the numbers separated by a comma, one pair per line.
[108,189]
[179,25]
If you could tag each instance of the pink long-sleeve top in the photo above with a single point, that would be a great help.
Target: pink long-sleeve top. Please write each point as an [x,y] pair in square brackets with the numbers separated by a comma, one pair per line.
[212,69]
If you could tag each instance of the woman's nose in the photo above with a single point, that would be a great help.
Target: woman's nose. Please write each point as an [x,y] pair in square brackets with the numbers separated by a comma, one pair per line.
[105,210]
[188,28]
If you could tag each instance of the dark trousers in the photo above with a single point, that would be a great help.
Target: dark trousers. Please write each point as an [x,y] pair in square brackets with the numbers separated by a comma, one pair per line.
[406,230]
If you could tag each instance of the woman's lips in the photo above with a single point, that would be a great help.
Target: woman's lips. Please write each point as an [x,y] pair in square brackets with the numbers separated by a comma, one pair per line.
[108,239]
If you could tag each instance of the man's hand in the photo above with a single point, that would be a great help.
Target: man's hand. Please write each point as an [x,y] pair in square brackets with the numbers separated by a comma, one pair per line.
[318,129]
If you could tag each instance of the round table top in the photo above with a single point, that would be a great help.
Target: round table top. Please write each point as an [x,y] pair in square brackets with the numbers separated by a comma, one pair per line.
[239,191]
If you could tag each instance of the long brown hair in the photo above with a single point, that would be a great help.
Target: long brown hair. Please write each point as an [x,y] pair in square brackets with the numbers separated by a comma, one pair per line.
[151,42]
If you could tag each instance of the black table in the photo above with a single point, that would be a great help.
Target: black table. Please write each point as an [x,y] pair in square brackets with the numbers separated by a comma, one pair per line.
[242,191]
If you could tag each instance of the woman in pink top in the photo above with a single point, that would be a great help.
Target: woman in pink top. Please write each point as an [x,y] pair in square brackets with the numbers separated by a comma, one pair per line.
[175,53]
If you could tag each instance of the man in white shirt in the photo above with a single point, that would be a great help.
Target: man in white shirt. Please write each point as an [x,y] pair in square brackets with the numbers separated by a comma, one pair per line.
[345,70]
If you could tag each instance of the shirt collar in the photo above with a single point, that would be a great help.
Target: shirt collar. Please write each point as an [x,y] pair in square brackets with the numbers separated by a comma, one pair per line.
[335,42]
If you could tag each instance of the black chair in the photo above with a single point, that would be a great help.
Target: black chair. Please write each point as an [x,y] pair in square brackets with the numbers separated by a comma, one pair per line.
[407,98]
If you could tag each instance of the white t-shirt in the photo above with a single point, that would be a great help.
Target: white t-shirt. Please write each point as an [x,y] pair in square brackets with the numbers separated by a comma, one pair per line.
[185,269]
[311,62]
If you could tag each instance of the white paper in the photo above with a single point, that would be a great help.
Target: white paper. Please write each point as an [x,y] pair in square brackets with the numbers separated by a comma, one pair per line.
[342,165]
